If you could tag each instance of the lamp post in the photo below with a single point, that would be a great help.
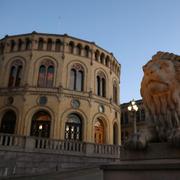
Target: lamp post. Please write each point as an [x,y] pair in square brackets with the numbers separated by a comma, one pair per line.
[133,108]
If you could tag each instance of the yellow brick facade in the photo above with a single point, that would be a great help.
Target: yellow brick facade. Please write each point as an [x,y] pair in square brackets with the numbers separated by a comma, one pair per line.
[59,97]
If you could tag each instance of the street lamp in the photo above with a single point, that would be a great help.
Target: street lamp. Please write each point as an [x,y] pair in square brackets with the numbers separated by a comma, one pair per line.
[133,108]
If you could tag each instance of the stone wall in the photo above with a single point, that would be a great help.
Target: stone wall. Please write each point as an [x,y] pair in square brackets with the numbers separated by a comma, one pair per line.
[22,155]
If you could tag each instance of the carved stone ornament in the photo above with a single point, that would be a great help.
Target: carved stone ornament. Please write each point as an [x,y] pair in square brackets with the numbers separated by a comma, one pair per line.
[75,103]
[160,89]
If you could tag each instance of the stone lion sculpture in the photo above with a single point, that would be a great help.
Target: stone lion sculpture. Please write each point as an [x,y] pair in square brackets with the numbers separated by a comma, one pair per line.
[160,90]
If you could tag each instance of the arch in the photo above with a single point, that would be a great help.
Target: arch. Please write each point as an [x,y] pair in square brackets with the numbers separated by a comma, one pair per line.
[97,55]
[49,45]
[115,133]
[107,60]
[20,45]
[78,49]
[41,44]
[28,44]
[12,46]
[46,74]
[41,124]
[106,126]
[63,119]
[115,92]
[15,75]
[8,122]
[101,84]
[77,77]
[73,127]
[102,56]
[86,51]
[58,45]
[33,110]
[71,47]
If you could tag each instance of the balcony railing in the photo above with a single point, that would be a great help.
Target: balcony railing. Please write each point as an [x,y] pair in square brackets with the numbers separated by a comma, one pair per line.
[34,144]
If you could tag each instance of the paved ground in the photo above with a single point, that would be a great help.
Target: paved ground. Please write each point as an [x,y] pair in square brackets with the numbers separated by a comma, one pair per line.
[81,174]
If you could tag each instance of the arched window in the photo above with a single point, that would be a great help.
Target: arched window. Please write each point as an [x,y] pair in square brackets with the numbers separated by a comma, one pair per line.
[77,78]
[101,84]
[58,45]
[15,75]
[71,47]
[97,55]
[102,58]
[49,44]
[73,127]
[8,122]
[40,44]
[115,134]
[86,51]
[115,92]
[107,61]
[20,44]
[78,49]
[12,45]
[99,134]
[46,74]
[28,44]
[40,125]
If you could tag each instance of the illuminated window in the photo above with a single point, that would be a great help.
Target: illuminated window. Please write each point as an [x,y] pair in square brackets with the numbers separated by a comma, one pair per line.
[73,127]
[41,123]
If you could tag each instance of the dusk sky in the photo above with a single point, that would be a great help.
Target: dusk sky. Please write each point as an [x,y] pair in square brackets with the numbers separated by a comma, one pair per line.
[133,30]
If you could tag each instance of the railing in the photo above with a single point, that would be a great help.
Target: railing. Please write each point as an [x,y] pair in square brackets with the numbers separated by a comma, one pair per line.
[34,144]
[9,140]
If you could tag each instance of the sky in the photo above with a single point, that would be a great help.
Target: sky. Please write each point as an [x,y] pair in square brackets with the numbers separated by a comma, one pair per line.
[133,30]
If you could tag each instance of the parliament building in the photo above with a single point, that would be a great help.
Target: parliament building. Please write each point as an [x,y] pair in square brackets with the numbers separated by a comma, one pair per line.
[59,87]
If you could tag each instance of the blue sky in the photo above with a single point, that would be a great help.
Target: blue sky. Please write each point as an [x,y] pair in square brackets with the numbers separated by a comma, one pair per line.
[134,30]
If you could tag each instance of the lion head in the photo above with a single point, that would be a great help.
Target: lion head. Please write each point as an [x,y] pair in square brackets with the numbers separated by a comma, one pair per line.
[160,90]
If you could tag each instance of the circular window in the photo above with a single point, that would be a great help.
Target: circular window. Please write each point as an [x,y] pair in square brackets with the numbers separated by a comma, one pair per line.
[75,103]
[42,100]
[101,108]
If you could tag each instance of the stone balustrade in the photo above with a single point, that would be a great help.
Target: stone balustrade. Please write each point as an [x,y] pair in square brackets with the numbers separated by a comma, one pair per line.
[34,144]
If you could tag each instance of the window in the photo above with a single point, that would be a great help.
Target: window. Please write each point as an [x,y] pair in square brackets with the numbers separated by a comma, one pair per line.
[15,75]
[99,132]
[102,58]
[71,47]
[86,51]
[73,127]
[28,44]
[8,122]
[115,92]
[20,44]
[107,61]
[97,55]
[77,78]
[58,45]
[40,44]
[41,123]
[78,49]
[46,74]
[49,45]
[12,45]
[101,84]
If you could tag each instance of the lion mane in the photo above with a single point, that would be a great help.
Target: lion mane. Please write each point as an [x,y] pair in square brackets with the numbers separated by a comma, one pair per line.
[160,90]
